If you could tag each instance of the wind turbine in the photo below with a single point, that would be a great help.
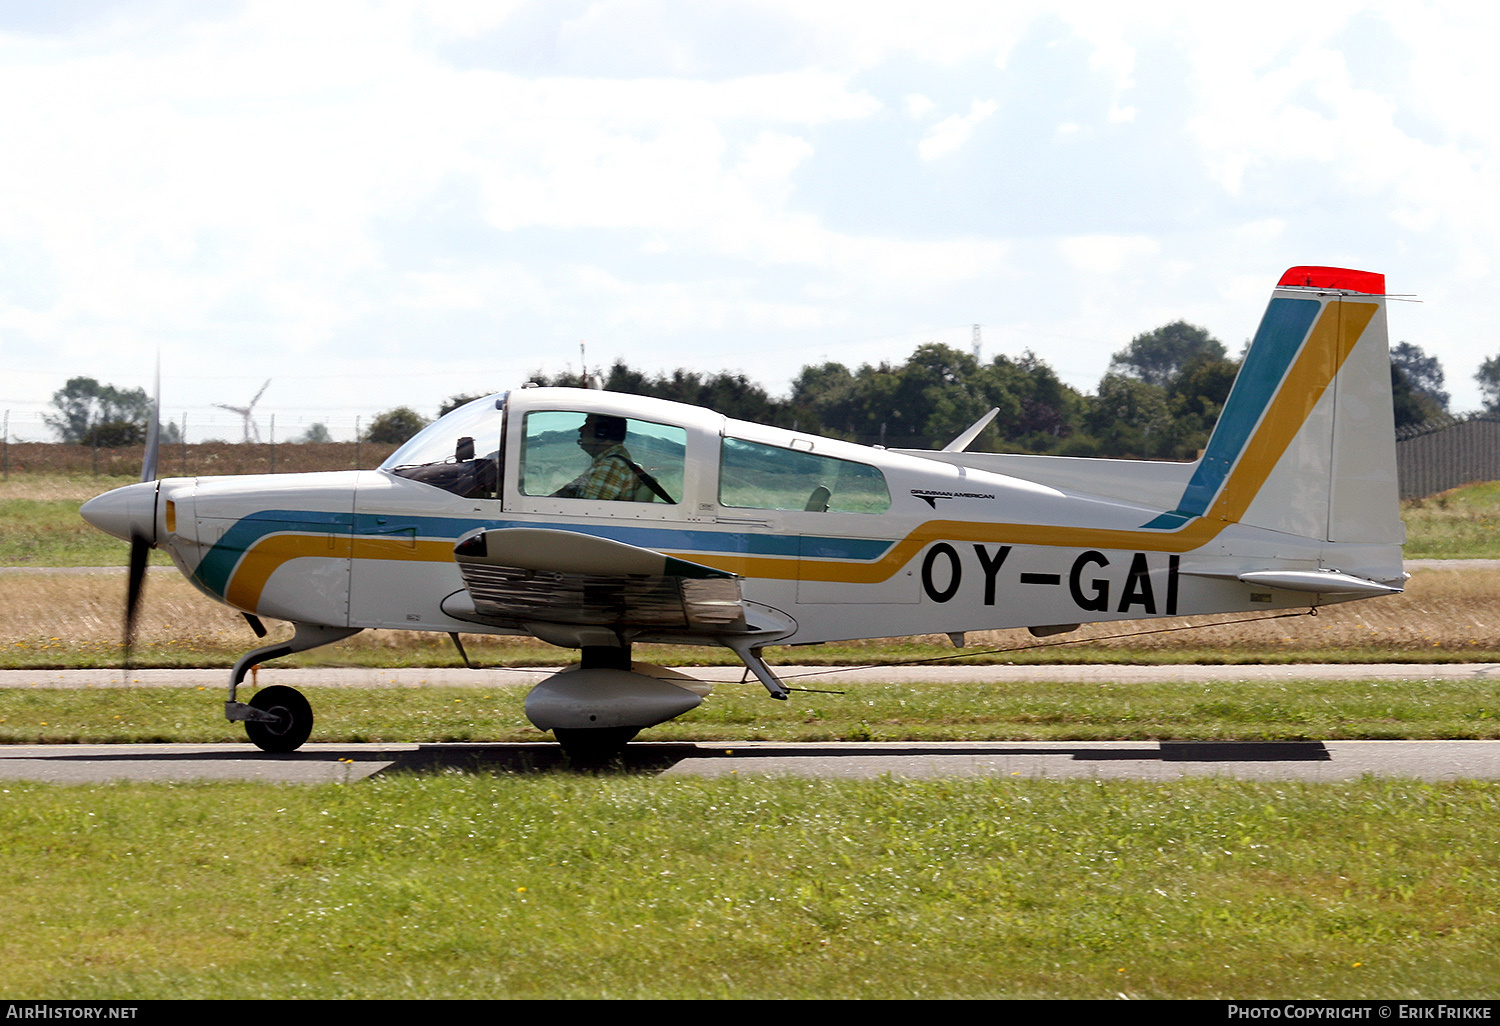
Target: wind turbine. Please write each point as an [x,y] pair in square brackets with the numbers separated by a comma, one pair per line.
[244,411]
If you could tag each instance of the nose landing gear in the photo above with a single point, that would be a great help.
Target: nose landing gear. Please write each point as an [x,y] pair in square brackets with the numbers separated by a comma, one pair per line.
[288,719]
[278,718]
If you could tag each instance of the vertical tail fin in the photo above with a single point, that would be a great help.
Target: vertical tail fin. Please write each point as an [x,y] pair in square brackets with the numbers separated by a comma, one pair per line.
[1306,442]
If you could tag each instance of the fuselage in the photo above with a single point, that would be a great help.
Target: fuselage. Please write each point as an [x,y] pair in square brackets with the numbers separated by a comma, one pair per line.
[835,540]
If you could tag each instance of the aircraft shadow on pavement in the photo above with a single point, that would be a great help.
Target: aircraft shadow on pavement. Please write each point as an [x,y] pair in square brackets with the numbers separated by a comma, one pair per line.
[650,758]
[659,757]
[545,758]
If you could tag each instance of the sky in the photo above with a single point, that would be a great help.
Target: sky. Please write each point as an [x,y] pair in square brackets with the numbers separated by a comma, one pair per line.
[375,204]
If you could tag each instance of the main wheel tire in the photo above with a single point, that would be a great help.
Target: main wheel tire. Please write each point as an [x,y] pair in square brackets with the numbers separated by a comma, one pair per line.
[593,746]
[294,719]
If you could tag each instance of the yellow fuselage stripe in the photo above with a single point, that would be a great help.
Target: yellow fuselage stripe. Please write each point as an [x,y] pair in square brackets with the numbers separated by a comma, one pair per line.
[267,555]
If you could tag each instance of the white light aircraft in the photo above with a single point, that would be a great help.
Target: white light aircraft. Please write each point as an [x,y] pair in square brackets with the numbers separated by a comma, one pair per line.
[676,525]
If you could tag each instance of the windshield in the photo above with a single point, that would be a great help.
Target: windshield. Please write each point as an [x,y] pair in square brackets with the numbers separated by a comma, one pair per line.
[459,453]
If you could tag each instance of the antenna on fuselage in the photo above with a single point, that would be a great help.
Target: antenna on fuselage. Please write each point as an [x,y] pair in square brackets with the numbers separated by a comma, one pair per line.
[963,441]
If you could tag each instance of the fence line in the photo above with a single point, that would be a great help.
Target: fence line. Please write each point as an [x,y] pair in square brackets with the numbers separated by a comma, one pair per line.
[193,460]
[1444,454]
[26,423]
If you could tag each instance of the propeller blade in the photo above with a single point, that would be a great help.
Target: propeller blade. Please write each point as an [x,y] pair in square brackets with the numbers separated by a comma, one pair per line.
[139,549]
[153,430]
[140,545]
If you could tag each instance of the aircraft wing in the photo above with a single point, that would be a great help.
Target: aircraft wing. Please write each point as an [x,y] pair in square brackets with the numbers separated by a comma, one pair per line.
[548,582]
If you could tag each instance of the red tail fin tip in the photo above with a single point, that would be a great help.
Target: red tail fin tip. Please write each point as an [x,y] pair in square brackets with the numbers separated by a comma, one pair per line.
[1341,278]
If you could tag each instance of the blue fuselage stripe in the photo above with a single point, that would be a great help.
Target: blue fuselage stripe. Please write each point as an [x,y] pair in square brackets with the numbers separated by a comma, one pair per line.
[218,564]
[1277,342]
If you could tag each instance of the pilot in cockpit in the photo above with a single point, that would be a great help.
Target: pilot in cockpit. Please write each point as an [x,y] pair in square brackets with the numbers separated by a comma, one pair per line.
[613,475]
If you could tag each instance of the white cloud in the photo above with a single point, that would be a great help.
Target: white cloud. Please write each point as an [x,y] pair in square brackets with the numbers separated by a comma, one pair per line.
[949,134]
[316,185]
[1106,254]
[919,106]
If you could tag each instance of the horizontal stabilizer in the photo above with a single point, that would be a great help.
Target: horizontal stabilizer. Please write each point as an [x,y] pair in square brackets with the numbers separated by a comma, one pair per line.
[1323,582]
[1318,582]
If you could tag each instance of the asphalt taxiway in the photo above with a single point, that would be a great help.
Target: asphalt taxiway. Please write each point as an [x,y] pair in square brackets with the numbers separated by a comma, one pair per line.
[1136,760]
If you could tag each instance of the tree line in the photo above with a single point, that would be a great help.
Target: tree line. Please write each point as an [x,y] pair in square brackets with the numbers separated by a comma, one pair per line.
[1158,399]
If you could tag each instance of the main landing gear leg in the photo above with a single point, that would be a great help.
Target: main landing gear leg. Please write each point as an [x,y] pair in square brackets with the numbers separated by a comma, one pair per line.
[749,653]
[279,719]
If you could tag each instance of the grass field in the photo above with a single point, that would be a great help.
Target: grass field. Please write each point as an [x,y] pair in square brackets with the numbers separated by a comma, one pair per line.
[1413,708]
[461,886]
[1461,524]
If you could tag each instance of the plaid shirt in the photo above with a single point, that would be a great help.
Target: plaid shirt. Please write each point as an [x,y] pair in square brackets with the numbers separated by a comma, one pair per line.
[609,477]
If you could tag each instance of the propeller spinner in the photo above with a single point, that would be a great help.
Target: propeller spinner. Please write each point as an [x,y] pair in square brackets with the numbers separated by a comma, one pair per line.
[129,513]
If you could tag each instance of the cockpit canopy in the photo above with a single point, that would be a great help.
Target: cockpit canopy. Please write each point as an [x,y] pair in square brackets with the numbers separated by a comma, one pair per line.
[459,453]
[630,449]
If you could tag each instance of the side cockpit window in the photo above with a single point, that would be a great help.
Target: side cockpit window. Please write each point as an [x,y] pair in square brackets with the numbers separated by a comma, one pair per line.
[756,476]
[572,455]
[459,453]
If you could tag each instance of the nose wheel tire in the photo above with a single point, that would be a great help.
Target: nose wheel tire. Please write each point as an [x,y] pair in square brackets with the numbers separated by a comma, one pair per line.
[293,719]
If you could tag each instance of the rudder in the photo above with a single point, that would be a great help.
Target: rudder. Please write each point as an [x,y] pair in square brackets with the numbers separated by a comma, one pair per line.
[1305,444]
